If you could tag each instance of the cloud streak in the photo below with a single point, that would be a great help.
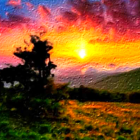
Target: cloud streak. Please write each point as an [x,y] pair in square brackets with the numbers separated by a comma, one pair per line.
[120,15]
[14,3]
[43,11]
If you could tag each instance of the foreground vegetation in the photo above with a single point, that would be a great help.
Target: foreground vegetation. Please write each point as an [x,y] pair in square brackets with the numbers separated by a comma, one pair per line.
[78,121]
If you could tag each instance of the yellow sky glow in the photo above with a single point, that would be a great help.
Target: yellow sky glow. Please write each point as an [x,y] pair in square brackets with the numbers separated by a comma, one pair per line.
[74,47]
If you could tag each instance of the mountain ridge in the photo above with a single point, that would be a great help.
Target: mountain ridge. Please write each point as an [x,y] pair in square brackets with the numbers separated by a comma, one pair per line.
[121,82]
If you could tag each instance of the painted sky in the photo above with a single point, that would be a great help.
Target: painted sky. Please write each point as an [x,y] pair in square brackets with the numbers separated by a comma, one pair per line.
[106,32]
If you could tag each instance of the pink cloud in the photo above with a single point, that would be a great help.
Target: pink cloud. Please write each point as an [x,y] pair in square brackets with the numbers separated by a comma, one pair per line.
[15,3]
[43,11]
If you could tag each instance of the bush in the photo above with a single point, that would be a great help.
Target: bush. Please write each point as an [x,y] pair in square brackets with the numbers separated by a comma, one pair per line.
[105,96]
[4,126]
[119,97]
[65,130]
[33,136]
[11,134]
[88,94]
[67,138]
[89,127]
[134,97]
[100,137]
[84,94]
[121,138]
[126,130]
[24,135]
[60,92]
[45,128]
[82,130]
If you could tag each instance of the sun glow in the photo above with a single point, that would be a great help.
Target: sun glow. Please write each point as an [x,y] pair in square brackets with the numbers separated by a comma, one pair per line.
[82,53]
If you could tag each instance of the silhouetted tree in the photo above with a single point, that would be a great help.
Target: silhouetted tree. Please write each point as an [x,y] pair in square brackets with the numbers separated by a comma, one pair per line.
[30,96]
[37,64]
[38,59]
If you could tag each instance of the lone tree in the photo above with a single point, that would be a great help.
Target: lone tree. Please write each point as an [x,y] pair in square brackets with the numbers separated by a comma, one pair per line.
[31,95]
[38,59]
[37,64]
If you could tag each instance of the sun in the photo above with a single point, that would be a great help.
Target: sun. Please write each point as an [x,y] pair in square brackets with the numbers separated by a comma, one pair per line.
[82,53]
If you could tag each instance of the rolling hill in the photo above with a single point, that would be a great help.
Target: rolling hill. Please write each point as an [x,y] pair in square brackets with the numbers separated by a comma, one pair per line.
[124,82]
[78,79]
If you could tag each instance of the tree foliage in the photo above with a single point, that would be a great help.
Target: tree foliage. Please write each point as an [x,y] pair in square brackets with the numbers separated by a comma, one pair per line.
[29,96]
[37,64]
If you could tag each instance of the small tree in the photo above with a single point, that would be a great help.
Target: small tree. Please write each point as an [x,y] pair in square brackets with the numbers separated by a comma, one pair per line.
[38,59]
[29,97]
[37,64]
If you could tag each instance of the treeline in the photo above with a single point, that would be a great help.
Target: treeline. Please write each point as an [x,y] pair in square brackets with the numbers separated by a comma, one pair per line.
[88,94]
[47,103]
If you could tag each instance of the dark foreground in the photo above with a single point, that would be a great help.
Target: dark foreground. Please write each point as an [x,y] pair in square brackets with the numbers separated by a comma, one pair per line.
[78,121]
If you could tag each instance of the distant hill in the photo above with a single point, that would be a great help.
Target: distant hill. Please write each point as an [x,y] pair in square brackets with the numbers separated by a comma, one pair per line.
[124,82]
[86,79]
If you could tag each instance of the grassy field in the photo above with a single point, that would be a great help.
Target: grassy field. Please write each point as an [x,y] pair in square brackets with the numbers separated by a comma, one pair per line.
[79,121]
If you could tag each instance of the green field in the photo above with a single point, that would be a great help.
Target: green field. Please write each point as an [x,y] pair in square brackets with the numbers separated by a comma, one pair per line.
[78,121]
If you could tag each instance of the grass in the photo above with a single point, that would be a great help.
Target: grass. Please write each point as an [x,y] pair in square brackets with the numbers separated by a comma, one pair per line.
[124,82]
[79,121]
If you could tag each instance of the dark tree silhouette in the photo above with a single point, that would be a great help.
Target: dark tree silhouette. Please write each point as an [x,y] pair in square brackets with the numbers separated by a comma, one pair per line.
[38,59]
[34,85]
[37,64]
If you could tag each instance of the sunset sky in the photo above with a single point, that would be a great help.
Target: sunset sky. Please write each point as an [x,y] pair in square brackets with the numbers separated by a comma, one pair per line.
[103,35]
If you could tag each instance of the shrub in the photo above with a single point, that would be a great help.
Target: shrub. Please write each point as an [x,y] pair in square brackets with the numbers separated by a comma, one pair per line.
[11,134]
[24,135]
[100,137]
[79,121]
[126,130]
[45,128]
[84,94]
[134,97]
[105,96]
[89,127]
[4,126]
[67,138]
[61,92]
[65,119]
[65,130]
[33,136]
[119,97]
[121,138]
[88,94]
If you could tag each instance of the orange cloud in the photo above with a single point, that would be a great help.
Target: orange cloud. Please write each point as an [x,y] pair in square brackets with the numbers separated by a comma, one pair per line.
[43,11]
[14,3]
